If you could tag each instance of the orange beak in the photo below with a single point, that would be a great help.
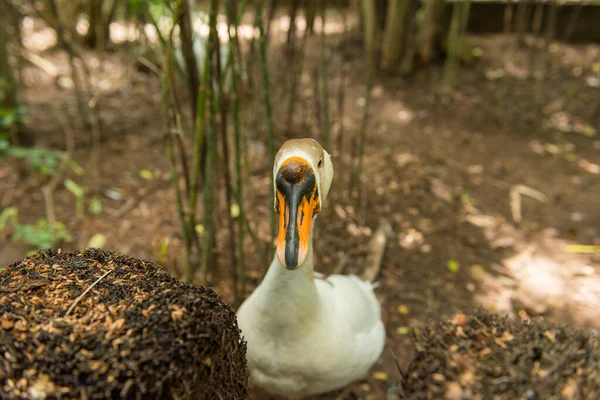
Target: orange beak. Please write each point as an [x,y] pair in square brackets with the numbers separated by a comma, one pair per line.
[297,202]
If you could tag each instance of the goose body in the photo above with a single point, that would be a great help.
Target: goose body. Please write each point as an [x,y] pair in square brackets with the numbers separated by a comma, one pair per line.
[306,334]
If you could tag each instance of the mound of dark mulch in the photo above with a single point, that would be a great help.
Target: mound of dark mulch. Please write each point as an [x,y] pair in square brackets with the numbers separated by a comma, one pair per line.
[486,356]
[138,333]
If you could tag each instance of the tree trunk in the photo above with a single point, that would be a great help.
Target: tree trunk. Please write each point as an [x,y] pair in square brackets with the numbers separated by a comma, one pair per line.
[429,29]
[8,89]
[371,26]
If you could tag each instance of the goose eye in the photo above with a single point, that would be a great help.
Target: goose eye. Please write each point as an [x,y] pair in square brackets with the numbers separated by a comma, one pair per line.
[320,164]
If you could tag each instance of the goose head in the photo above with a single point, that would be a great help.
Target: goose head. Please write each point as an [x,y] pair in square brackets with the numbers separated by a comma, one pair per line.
[302,177]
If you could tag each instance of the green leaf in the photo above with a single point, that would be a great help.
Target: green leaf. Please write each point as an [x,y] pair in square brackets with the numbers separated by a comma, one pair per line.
[402,330]
[9,212]
[235,210]
[453,265]
[78,192]
[73,187]
[39,159]
[164,247]
[466,199]
[146,174]
[95,206]
[75,167]
[97,241]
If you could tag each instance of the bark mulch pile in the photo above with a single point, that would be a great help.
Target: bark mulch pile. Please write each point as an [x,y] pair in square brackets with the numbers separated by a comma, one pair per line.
[137,333]
[486,356]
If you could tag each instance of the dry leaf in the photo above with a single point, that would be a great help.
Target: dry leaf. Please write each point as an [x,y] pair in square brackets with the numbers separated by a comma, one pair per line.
[453,391]
[460,332]
[570,390]
[353,229]
[380,376]
[177,313]
[402,309]
[485,352]
[551,335]
[459,319]
[506,337]
[467,378]
[7,324]
[402,330]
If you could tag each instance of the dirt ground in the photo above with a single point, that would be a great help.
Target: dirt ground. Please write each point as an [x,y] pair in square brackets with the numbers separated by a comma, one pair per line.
[441,165]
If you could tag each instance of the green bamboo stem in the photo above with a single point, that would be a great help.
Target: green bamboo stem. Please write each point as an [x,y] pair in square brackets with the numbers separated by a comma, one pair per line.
[298,64]
[211,154]
[167,93]
[225,166]
[355,181]
[460,16]
[267,97]
[235,111]
[324,83]
[199,137]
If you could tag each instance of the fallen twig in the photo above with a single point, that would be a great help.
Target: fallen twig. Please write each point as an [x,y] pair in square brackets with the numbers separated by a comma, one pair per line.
[43,64]
[341,264]
[78,299]
[150,65]
[376,250]
[515,194]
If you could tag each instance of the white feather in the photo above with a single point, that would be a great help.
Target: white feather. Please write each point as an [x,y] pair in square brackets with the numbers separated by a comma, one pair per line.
[305,340]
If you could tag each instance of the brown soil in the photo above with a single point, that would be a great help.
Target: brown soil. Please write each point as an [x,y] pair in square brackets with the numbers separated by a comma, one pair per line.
[440,166]
[138,333]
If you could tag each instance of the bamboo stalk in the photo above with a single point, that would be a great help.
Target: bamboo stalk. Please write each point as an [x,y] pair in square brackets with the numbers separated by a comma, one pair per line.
[211,144]
[297,62]
[267,98]
[187,50]
[169,118]
[429,28]
[371,26]
[235,111]
[508,23]
[394,35]
[291,33]
[222,105]
[356,173]
[270,17]
[324,83]
[342,94]
[200,149]
[340,106]
[572,23]
[460,16]
[549,36]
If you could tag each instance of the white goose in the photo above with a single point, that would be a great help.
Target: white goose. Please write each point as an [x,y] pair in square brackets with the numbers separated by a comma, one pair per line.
[305,335]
